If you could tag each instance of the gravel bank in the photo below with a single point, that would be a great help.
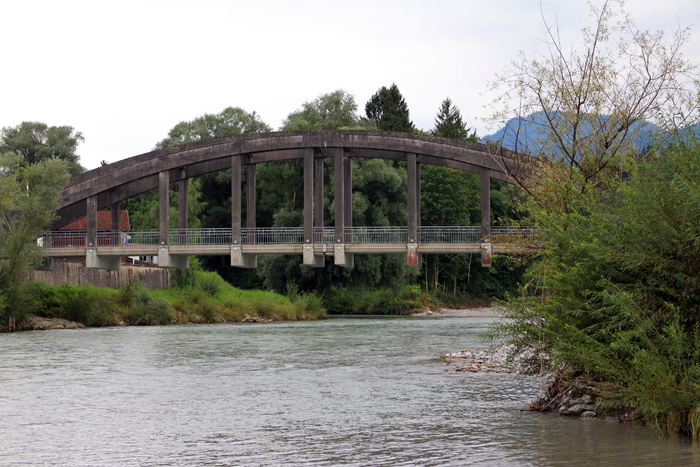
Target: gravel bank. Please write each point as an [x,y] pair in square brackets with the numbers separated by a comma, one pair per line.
[481,312]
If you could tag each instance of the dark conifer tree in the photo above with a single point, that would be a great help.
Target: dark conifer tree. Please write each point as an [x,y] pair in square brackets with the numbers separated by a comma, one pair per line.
[449,124]
[388,109]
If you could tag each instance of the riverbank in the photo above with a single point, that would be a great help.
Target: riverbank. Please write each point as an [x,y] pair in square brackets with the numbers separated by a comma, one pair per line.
[203,298]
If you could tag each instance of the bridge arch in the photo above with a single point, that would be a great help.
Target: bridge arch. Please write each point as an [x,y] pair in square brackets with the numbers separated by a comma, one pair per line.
[110,184]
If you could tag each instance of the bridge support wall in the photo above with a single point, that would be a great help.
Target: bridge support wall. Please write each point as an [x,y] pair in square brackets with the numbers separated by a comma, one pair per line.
[93,260]
[243,260]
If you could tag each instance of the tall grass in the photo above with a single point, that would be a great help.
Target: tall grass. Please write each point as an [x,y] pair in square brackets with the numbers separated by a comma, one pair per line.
[197,297]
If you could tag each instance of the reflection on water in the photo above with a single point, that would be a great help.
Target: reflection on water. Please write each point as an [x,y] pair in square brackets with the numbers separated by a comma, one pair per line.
[346,391]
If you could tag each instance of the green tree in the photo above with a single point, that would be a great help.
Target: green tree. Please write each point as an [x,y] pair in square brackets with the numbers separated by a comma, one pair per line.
[333,111]
[29,196]
[449,124]
[36,142]
[231,121]
[388,110]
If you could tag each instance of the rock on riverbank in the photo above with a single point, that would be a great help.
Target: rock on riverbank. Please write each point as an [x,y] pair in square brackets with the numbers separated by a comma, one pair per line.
[481,361]
[38,323]
[479,312]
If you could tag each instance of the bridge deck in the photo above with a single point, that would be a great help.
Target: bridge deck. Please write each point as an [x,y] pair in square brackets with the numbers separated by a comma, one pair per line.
[318,249]
[358,240]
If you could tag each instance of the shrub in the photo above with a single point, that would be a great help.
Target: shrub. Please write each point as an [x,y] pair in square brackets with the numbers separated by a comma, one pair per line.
[91,306]
[210,283]
[131,293]
[149,312]
[183,278]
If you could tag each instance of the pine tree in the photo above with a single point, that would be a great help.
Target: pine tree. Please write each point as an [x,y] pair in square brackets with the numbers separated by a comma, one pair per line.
[388,109]
[449,124]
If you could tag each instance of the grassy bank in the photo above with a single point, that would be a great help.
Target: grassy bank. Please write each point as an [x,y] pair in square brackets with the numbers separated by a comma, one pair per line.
[195,297]
[386,301]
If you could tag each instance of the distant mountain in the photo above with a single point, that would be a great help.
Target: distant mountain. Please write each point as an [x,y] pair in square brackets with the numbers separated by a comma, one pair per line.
[524,132]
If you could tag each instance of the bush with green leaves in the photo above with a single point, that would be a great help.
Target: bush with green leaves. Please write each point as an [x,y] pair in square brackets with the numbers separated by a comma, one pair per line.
[91,306]
[141,307]
[616,293]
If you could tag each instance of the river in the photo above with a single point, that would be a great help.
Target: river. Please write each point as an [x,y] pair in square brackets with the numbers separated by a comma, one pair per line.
[344,391]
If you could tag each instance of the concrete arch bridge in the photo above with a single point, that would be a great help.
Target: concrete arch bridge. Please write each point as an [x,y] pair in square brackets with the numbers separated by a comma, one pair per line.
[109,185]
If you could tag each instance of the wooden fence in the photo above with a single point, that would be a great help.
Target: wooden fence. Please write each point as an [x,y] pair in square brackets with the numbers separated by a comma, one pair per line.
[75,273]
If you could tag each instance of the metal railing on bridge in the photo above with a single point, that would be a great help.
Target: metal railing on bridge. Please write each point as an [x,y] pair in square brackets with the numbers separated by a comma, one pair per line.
[287,236]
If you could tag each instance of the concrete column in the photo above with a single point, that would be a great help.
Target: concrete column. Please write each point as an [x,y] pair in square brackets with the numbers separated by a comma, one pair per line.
[238,258]
[413,205]
[91,240]
[92,259]
[163,207]
[340,257]
[339,198]
[251,201]
[347,194]
[308,252]
[485,203]
[116,214]
[183,205]
[318,193]
[182,210]
[418,205]
[413,201]
[309,197]
[165,259]
[236,200]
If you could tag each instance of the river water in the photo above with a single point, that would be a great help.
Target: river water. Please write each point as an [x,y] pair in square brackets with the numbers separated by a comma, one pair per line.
[344,391]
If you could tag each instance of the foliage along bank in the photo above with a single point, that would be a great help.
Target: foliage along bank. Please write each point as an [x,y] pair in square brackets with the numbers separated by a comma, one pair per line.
[195,297]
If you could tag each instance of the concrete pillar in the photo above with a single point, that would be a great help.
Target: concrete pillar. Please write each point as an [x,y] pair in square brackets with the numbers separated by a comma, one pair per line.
[309,197]
[236,200]
[116,212]
[318,195]
[115,227]
[251,202]
[418,204]
[413,205]
[238,257]
[183,210]
[413,201]
[164,207]
[485,204]
[165,259]
[347,194]
[183,205]
[308,253]
[340,257]
[92,259]
[91,239]
[339,197]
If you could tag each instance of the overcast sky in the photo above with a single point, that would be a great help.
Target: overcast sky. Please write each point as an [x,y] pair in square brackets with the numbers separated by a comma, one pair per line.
[124,72]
